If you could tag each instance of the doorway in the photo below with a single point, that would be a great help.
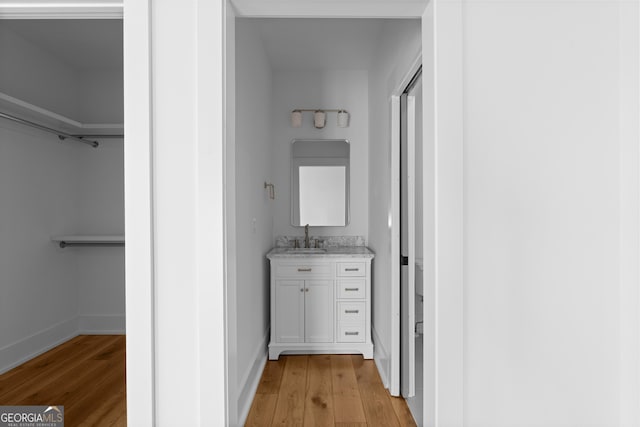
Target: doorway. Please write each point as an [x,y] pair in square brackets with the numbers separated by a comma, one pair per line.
[62,185]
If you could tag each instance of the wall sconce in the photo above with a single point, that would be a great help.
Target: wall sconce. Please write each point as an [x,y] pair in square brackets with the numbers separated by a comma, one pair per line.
[319,117]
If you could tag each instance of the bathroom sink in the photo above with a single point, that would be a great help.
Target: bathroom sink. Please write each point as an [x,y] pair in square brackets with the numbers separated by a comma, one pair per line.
[306,251]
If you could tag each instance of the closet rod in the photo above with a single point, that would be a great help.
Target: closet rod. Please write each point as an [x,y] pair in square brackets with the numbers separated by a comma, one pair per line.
[61,135]
[63,244]
[98,135]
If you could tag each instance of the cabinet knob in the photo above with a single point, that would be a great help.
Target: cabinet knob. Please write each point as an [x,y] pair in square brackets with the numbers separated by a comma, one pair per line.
[301,289]
[304,269]
[306,290]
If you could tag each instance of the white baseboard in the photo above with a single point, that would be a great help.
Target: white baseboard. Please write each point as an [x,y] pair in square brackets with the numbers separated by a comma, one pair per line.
[101,325]
[249,383]
[27,348]
[381,357]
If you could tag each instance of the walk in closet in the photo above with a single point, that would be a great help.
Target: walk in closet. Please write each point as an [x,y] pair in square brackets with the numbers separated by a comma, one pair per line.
[61,184]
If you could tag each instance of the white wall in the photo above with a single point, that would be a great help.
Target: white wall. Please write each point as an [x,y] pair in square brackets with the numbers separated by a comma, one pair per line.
[34,75]
[543,229]
[38,295]
[101,284]
[254,209]
[100,270]
[331,88]
[399,46]
[101,99]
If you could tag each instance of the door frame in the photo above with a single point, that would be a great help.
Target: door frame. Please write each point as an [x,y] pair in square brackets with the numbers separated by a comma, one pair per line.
[442,54]
[138,187]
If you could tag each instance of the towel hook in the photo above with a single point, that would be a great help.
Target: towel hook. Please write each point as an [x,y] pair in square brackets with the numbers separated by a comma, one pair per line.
[271,189]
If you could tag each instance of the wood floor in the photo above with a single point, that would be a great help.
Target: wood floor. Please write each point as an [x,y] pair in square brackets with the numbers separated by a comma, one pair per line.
[325,390]
[86,375]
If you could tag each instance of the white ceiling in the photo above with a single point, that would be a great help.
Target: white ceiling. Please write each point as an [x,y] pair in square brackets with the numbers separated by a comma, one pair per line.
[315,43]
[330,8]
[291,44]
[82,44]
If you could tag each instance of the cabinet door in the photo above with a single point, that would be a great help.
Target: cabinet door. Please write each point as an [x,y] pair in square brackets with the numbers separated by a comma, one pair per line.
[289,310]
[318,311]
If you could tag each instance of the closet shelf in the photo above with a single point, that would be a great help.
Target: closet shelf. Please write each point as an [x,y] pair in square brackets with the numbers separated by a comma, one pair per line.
[86,240]
[21,111]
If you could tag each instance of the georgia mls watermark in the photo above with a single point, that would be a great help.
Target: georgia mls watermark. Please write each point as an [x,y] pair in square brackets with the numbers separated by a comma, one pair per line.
[31,416]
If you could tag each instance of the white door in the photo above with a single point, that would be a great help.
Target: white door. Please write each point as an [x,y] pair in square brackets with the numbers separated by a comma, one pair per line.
[290,310]
[318,311]
[409,130]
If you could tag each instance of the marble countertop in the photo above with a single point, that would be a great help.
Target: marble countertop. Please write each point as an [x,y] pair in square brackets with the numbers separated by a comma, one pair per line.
[331,252]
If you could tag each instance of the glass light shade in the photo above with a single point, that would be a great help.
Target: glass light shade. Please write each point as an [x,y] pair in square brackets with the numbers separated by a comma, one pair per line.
[296,118]
[319,119]
[343,119]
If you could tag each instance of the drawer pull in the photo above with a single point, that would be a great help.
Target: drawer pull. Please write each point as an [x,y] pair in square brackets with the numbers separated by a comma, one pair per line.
[304,269]
[351,269]
[351,289]
[352,311]
[352,333]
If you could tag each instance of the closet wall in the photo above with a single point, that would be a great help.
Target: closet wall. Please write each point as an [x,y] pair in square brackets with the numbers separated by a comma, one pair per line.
[50,187]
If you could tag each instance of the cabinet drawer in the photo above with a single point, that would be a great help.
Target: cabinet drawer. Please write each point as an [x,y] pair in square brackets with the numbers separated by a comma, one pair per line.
[351,312]
[303,270]
[346,269]
[348,332]
[351,289]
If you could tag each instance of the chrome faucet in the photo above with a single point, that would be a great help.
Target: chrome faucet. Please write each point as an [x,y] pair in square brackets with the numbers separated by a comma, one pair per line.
[306,236]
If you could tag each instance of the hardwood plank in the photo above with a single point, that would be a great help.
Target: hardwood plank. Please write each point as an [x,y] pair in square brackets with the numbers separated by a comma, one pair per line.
[86,375]
[95,403]
[348,385]
[290,405]
[51,365]
[272,376]
[346,394]
[262,410]
[112,412]
[402,411]
[375,398]
[63,388]
[318,409]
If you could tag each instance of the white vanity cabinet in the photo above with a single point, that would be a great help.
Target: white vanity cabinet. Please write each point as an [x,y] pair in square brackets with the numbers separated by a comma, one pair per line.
[320,303]
[304,311]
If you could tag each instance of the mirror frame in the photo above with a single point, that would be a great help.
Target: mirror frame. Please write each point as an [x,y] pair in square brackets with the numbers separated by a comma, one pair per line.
[318,160]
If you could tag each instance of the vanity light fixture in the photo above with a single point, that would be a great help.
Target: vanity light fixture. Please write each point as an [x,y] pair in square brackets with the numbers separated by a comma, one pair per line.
[319,117]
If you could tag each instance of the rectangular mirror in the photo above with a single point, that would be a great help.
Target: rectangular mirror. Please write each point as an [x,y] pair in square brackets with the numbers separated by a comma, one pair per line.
[320,182]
